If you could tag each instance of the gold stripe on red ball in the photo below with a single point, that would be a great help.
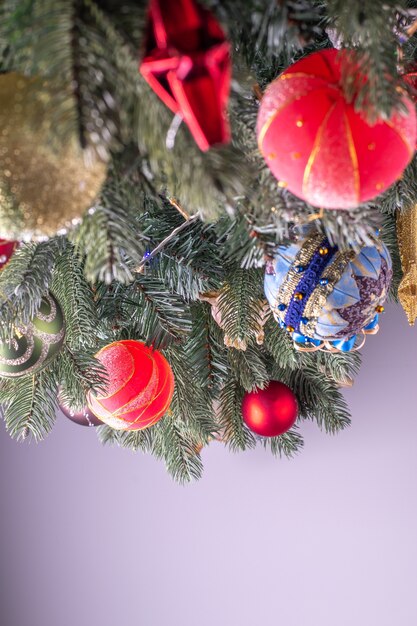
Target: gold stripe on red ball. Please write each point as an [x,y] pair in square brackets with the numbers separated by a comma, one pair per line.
[140,386]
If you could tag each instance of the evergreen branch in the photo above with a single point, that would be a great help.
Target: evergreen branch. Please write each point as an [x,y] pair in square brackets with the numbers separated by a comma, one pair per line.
[133,440]
[266,29]
[77,301]
[105,236]
[24,281]
[241,305]
[341,367]
[318,397]
[184,276]
[248,368]
[107,436]
[32,409]
[287,444]
[204,350]
[78,373]
[150,255]
[280,346]
[235,433]
[156,315]
[192,403]
[179,448]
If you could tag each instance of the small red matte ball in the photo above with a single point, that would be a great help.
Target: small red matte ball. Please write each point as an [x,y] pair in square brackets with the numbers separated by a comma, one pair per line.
[271,411]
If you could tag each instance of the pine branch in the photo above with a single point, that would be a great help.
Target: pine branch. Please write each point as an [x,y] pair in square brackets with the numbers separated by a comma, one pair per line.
[133,440]
[280,346]
[108,237]
[288,444]
[191,404]
[179,448]
[77,301]
[24,281]
[235,433]
[249,368]
[78,372]
[205,351]
[33,407]
[241,304]
[156,315]
[318,397]
[340,367]
[266,28]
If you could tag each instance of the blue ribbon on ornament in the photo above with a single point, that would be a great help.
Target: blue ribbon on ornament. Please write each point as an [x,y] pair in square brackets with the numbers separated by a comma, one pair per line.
[372,324]
[309,281]
[344,345]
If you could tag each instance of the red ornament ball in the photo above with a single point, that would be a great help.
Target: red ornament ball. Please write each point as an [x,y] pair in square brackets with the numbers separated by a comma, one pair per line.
[140,386]
[6,251]
[271,411]
[319,147]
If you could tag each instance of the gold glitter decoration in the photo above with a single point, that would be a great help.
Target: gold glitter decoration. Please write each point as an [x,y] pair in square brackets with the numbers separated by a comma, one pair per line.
[407,241]
[43,187]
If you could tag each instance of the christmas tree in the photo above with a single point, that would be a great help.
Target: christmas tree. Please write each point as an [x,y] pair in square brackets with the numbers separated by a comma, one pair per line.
[149,224]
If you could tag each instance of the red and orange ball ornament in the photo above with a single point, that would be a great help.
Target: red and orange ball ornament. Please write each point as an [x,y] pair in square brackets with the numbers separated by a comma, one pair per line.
[140,386]
[319,147]
[271,411]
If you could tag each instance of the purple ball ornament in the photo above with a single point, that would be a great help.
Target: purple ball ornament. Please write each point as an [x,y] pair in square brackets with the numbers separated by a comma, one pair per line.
[83,418]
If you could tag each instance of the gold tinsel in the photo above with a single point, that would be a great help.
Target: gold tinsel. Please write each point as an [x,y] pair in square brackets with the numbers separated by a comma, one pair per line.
[407,240]
[45,185]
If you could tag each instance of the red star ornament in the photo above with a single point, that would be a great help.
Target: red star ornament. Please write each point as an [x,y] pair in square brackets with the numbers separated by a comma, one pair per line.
[187,63]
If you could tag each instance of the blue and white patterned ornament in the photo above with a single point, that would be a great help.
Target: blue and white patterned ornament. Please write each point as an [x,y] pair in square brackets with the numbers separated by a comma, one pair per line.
[328,298]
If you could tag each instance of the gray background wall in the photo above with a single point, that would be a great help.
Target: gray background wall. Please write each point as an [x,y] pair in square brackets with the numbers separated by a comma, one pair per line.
[100,536]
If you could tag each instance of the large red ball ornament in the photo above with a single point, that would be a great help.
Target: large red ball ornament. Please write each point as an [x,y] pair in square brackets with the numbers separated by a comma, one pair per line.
[319,147]
[140,386]
[271,411]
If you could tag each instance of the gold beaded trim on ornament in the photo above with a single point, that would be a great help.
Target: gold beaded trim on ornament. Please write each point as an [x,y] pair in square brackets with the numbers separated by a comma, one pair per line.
[333,273]
[293,277]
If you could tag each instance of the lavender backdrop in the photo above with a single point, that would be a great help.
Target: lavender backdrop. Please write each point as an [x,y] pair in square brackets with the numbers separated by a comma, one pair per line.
[99,536]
